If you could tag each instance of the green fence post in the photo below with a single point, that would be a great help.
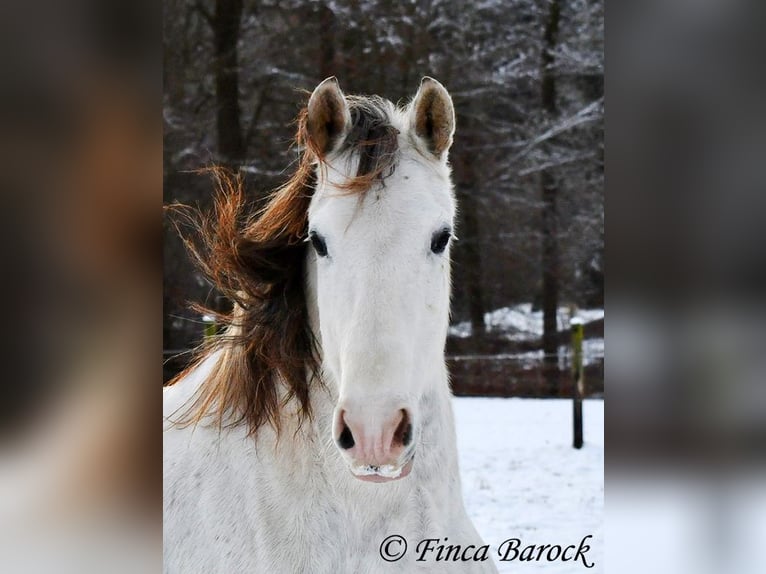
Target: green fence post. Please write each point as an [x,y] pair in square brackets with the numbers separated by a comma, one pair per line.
[578,376]
[210,328]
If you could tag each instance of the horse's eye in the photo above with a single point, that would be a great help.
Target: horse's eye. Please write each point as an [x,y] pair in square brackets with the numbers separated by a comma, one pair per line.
[440,239]
[318,242]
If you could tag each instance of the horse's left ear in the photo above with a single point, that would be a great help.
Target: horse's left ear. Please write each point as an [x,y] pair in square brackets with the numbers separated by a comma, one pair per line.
[432,116]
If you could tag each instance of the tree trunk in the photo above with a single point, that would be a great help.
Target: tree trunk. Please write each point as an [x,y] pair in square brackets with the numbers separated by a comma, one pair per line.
[226,26]
[469,232]
[326,50]
[548,191]
[472,253]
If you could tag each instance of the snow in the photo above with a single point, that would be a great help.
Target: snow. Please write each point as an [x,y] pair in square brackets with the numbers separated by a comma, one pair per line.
[520,323]
[522,478]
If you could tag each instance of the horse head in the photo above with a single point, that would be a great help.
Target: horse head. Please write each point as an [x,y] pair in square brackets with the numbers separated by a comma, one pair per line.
[380,224]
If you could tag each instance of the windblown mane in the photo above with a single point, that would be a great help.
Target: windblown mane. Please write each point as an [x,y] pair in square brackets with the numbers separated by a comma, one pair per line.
[257,260]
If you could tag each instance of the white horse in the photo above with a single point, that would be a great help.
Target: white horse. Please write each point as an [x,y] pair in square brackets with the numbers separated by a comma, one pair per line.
[320,425]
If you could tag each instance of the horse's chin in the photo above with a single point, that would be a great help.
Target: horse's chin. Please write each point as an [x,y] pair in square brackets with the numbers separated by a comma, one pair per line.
[386,473]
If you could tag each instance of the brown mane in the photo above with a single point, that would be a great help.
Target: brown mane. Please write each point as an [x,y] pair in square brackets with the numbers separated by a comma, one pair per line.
[257,260]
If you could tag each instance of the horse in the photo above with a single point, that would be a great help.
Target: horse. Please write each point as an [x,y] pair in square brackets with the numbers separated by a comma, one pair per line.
[319,423]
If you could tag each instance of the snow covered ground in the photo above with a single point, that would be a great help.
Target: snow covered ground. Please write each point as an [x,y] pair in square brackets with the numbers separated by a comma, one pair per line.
[522,478]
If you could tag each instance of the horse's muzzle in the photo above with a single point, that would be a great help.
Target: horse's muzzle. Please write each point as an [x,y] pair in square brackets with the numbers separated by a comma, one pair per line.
[375,445]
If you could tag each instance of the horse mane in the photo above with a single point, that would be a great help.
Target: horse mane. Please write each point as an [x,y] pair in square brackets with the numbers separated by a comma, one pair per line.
[256,259]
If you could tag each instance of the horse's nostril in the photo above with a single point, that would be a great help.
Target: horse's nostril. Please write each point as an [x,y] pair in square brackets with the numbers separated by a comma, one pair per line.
[403,433]
[346,439]
[407,438]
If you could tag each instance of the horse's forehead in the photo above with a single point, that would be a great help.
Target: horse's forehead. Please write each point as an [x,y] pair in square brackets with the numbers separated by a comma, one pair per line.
[381,213]
[415,192]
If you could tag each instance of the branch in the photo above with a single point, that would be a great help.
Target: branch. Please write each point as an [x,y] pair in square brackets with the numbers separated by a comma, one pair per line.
[557,163]
[257,111]
[584,116]
[199,7]
[589,113]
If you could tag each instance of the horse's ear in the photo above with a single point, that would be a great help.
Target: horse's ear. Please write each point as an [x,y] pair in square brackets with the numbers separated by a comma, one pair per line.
[328,117]
[432,116]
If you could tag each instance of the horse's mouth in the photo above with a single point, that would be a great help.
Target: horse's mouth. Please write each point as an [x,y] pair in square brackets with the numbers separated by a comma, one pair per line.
[383,473]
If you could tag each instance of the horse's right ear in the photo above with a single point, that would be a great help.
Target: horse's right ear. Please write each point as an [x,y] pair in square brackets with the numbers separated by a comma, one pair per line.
[328,117]
[432,116]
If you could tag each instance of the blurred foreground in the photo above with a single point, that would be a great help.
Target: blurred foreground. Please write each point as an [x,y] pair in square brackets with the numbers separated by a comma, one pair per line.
[80,450]
[686,253]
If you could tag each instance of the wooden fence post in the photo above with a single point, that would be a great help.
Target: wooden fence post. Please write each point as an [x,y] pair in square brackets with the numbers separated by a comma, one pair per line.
[578,378]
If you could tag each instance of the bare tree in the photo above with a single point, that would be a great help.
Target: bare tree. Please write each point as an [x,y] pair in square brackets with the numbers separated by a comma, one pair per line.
[549,191]
[225,22]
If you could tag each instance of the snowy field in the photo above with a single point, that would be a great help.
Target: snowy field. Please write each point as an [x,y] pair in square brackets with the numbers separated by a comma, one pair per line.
[522,478]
